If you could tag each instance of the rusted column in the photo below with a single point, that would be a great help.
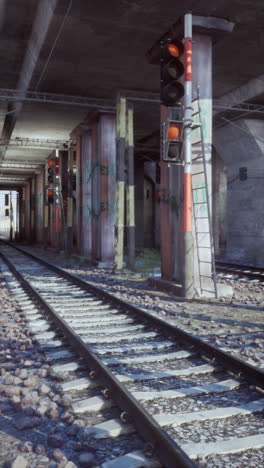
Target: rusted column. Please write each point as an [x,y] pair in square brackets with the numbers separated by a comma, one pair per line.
[107,157]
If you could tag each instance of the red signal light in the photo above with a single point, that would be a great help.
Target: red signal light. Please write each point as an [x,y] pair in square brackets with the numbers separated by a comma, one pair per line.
[51,162]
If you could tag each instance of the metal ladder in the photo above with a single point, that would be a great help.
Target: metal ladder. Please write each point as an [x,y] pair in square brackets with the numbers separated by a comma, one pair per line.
[201,206]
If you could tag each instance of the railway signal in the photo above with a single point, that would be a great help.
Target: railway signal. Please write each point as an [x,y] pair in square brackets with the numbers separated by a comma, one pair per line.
[171,70]
[172,144]
[50,196]
[51,166]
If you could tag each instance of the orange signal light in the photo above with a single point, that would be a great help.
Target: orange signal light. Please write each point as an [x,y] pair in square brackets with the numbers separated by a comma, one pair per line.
[51,163]
[50,193]
[174,50]
[174,132]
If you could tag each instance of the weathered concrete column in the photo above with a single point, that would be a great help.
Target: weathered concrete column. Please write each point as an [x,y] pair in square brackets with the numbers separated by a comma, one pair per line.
[22,216]
[87,194]
[32,209]
[63,186]
[79,195]
[69,216]
[27,212]
[240,144]
[202,78]
[107,159]
[40,188]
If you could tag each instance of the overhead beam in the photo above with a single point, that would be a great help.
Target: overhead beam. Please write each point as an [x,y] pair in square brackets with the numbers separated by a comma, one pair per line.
[40,28]
[251,90]
[2,12]
[37,143]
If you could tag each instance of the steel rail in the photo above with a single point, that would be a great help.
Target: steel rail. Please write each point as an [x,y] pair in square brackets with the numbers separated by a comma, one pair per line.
[164,447]
[232,363]
[227,267]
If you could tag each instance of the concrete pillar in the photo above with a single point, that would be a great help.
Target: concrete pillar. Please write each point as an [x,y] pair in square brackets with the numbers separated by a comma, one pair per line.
[69,216]
[202,78]
[22,217]
[240,144]
[39,200]
[107,160]
[27,212]
[139,201]
[95,208]
[63,188]
[87,174]
[79,195]
[32,209]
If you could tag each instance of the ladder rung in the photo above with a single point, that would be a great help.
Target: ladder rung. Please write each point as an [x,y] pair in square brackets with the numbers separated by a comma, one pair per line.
[195,113]
[196,143]
[203,261]
[204,247]
[206,276]
[197,157]
[208,290]
[200,217]
[200,203]
[198,125]
[197,173]
[199,188]
[202,232]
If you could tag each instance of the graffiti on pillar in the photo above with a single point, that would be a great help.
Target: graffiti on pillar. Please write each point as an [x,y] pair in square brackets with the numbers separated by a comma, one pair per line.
[168,198]
[104,207]
[108,170]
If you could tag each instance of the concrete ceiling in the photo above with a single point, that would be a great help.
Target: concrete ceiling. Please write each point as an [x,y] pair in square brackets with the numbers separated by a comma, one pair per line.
[94,49]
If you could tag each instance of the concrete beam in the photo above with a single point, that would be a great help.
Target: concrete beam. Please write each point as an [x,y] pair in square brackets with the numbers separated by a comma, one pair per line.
[40,28]
[251,90]
[2,12]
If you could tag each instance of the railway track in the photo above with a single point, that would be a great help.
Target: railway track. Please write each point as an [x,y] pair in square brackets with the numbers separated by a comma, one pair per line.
[242,271]
[192,403]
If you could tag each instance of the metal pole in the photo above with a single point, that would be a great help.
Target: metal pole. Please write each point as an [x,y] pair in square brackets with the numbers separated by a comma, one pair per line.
[187,181]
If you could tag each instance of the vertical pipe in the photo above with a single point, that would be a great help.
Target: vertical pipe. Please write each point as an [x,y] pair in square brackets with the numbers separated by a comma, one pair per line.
[120,183]
[69,244]
[187,180]
[130,190]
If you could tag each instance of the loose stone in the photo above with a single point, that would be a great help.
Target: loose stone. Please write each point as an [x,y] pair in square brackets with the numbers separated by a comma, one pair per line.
[20,462]
[56,440]
[26,447]
[86,460]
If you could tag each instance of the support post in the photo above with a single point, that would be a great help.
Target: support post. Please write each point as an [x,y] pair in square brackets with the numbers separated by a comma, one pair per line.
[32,209]
[69,243]
[130,189]
[120,182]
[46,209]
[79,195]
[187,181]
